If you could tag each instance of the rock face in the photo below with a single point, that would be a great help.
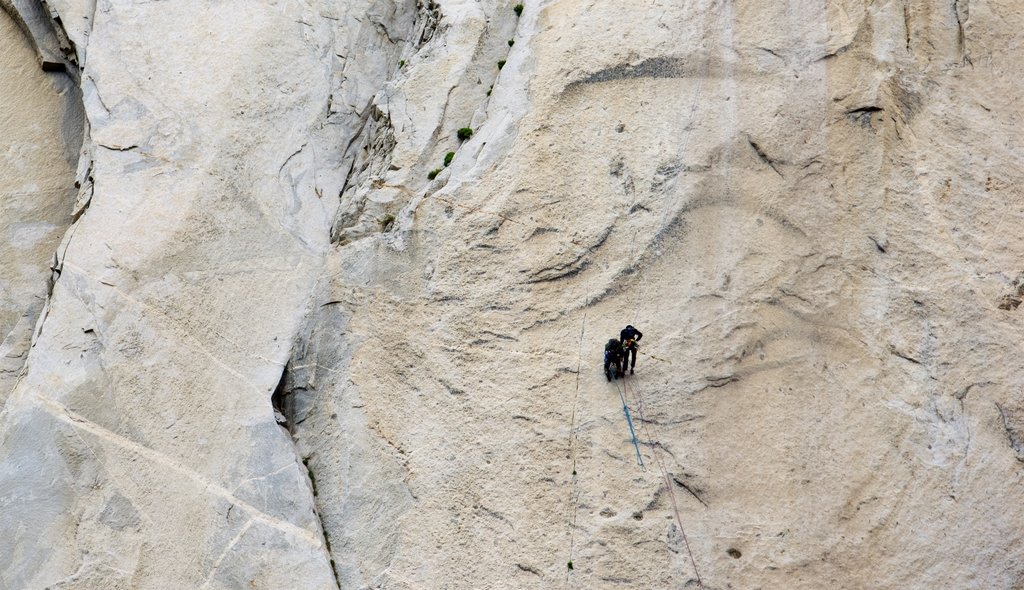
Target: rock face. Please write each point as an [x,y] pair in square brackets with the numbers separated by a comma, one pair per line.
[41,123]
[291,343]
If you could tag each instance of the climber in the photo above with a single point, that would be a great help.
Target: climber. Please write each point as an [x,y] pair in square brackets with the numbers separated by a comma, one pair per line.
[613,357]
[629,337]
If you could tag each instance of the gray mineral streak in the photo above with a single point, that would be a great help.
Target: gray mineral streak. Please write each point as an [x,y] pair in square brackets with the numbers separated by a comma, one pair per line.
[257,333]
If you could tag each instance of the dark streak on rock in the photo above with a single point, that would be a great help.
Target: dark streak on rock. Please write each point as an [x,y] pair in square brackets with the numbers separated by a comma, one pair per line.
[958,7]
[498,336]
[838,51]
[529,569]
[659,446]
[962,394]
[115,148]
[721,381]
[763,156]
[541,231]
[894,352]
[570,268]
[655,67]
[906,25]
[681,420]
[794,295]
[693,493]
[1012,435]
[654,501]
[862,115]
[495,515]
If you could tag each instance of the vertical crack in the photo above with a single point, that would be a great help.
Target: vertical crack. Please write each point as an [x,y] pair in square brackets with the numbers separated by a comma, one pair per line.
[1012,436]
[962,13]
[286,412]
[319,521]
[906,25]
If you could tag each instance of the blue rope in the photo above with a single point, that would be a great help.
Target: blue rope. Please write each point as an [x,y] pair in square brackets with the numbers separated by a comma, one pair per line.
[632,432]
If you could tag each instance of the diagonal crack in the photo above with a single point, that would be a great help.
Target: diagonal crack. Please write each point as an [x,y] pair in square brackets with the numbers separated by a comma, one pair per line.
[66,415]
[686,487]
[224,553]
[173,325]
[764,157]
[1012,437]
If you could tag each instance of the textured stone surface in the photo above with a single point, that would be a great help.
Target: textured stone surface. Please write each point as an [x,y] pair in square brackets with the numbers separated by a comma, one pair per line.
[144,412]
[41,123]
[808,210]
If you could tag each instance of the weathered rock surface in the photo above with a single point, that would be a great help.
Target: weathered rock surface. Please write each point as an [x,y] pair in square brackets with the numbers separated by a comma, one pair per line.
[41,122]
[806,208]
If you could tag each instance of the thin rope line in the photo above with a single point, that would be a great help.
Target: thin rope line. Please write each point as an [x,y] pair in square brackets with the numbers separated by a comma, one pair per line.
[571,453]
[629,421]
[668,480]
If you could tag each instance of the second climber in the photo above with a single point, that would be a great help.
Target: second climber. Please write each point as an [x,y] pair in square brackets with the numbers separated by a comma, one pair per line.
[613,359]
[629,337]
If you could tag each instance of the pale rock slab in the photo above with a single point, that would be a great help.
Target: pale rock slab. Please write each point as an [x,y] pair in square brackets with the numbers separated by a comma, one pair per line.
[144,411]
[806,208]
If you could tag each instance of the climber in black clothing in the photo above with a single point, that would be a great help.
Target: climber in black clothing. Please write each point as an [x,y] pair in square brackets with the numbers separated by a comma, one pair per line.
[613,357]
[629,338]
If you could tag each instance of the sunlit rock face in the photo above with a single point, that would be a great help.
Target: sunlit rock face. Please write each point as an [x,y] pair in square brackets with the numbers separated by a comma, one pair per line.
[41,127]
[308,331]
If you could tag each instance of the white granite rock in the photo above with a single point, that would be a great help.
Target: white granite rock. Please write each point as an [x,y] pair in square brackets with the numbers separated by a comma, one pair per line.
[806,208]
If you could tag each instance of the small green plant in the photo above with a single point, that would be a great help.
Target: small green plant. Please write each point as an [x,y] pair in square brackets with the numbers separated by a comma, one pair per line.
[570,565]
[312,478]
[464,133]
[401,63]
[387,222]
[501,63]
[448,158]
[511,42]
[518,8]
[433,174]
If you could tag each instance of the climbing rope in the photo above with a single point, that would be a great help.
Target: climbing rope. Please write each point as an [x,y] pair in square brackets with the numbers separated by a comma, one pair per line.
[651,356]
[573,503]
[637,295]
[659,461]
[629,420]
